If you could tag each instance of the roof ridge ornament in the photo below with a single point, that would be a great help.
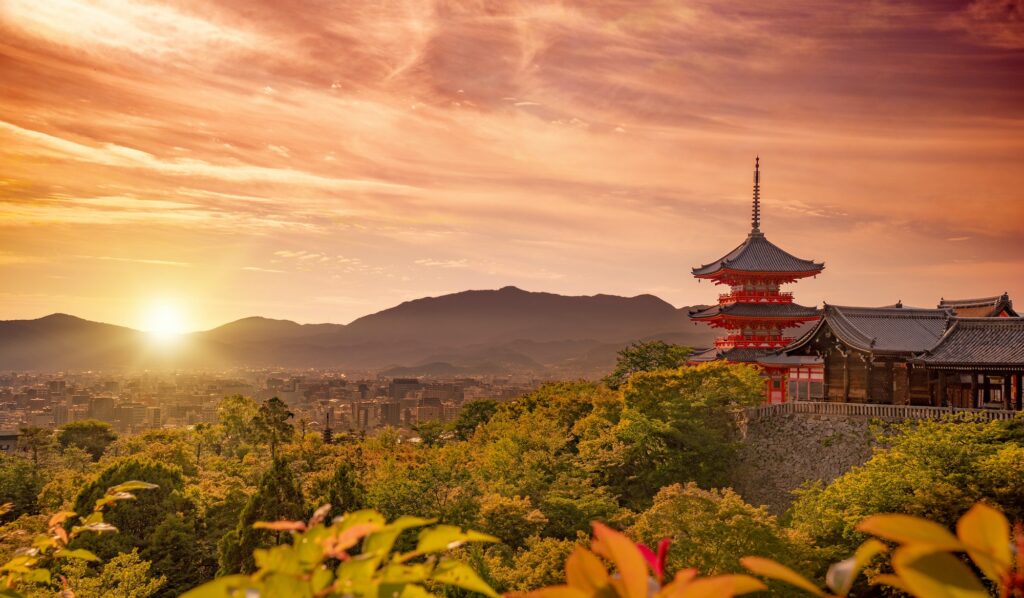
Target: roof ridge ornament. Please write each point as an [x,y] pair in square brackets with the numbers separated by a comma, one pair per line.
[756,215]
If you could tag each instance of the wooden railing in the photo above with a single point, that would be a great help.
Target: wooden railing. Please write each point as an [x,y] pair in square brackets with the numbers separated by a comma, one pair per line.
[872,410]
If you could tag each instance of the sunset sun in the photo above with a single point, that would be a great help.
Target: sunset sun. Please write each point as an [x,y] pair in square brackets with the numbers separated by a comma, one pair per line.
[163,320]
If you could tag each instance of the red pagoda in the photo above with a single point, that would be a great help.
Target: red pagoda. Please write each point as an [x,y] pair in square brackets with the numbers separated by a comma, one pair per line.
[755,313]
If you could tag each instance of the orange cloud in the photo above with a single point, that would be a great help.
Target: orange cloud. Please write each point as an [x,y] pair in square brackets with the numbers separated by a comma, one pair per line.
[383,151]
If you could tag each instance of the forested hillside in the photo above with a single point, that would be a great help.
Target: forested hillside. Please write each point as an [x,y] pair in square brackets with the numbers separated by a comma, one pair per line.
[648,453]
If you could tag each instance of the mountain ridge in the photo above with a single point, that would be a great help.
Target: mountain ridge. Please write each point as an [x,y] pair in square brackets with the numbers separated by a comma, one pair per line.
[506,329]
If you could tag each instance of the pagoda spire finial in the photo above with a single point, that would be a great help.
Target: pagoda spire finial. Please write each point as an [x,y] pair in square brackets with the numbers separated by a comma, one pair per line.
[756,216]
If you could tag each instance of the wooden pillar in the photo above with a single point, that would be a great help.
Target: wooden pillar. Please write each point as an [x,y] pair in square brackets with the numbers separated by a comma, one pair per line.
[1007,399]
[941,398]
[846,378]
[907,390]
[868,367]
[986,388]
[890,382]
[1020,391]
[974,389]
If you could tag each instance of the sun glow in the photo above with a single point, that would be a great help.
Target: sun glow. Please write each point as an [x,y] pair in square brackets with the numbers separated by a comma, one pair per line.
[163,321]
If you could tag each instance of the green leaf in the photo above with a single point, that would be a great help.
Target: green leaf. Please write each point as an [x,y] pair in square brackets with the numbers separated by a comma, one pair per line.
[771,569]
[461,575]
[364,516]
[840,576]
[40,576]
[78,553]
[906,529]
[446,537]
[222,587]
[130,486]
[399,574]
[932,574]
[986,533]
[277,584]
[321,578]
[383,540]
[96,528]
[414,591]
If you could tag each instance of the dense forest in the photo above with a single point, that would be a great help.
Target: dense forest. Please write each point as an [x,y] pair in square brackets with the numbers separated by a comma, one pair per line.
[646,451]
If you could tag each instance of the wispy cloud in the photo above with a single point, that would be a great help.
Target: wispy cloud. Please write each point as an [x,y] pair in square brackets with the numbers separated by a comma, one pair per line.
[134,260]
[584,146]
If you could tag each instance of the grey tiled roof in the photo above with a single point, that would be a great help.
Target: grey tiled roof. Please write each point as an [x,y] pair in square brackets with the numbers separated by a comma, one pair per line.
[756,310]
[981,307]
[758,254]
[981,342]
[883,329]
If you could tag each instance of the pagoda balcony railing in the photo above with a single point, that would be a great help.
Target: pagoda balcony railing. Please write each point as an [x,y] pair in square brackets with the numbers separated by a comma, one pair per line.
[753,341]
[755,297]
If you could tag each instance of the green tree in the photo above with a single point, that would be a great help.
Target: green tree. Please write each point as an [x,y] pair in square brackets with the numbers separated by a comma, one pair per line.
[278,497]
[646,357]
[931,469]
[20,484]
[669,426]
[537,564]
[472,415]
[126,575]
[173,550]
[90,435]
[270,424]
[235,414]
[141,522]
[512,519]
[712,530]
[431,432]
[36,442]
[345,491]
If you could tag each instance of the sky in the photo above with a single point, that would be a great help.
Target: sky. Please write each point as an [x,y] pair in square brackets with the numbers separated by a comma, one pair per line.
[322,160]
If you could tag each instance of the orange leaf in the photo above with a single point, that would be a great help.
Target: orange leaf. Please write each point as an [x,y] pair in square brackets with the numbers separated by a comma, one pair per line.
[769,568]
[720,586]
[619,549]
[907,529]
[986,532]
[280,526]
[337,545]
[585,572]
[557,592]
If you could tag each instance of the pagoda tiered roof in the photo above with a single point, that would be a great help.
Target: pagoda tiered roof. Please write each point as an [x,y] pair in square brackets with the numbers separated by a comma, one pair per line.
[782,311]
[759,255]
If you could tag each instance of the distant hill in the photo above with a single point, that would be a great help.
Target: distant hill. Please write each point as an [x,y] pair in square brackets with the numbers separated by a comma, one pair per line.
[508,330]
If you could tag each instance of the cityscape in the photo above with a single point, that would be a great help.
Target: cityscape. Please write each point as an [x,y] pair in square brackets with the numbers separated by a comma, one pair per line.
[138,403]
